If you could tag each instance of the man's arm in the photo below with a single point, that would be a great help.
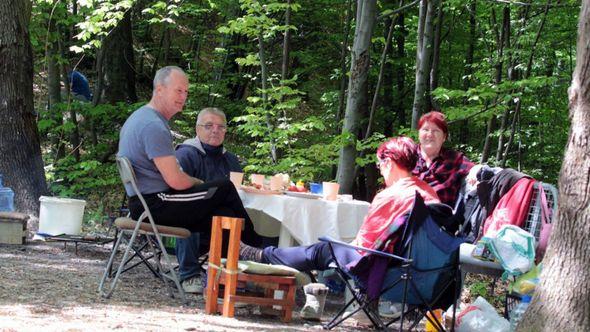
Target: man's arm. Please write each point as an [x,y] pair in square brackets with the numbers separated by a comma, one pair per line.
[172,174]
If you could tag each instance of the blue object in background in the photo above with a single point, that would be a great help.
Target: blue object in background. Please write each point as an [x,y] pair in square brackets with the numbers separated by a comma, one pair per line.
[6,198]
[79,85]
[315,188]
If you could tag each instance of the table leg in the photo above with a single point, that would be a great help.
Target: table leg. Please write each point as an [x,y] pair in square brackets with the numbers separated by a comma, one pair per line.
[285,238]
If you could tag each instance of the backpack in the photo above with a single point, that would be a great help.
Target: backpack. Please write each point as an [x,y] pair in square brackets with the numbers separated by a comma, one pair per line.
[512,208]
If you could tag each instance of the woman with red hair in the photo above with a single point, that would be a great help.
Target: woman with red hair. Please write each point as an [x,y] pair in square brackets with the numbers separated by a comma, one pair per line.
[396,159]
[443,169]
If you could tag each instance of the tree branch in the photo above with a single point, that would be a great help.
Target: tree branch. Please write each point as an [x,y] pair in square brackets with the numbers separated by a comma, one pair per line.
[402,8]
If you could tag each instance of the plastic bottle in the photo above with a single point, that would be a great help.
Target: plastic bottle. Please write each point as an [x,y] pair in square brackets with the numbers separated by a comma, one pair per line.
[6,198]
[518,312]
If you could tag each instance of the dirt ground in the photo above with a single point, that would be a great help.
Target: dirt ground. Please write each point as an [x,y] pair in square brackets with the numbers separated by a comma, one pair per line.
[46,286]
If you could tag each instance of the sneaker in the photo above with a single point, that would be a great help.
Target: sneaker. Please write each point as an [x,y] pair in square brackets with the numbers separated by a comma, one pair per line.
[249,253]
[192,285]
[390,309]
[315,299]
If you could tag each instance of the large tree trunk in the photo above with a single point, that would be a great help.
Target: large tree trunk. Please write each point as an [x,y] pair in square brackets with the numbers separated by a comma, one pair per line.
[562,300]
[21,162]
[423,58]
[118,64]
[359,68]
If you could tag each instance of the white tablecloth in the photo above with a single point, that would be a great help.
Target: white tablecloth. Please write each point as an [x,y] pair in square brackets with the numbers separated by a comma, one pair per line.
[304,220]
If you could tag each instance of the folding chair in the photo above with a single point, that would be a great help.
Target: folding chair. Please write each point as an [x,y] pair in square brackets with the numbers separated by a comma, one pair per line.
[425,276]
[129,231]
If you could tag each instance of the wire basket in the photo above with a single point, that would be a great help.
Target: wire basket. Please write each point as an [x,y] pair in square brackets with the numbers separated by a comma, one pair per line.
[511,301]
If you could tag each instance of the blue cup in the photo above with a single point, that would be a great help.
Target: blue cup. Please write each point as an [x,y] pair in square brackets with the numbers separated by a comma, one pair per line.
[315,188]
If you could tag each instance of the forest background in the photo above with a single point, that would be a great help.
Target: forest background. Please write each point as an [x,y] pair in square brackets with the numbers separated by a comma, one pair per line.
[310,87]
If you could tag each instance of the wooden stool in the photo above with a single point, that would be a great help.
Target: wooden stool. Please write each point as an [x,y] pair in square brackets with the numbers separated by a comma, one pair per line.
[230,276]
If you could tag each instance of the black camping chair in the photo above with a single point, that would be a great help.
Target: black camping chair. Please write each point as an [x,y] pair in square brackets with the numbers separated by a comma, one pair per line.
[425,276]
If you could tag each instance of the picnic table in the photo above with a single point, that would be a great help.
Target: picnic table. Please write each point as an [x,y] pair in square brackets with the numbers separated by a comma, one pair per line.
[304,219]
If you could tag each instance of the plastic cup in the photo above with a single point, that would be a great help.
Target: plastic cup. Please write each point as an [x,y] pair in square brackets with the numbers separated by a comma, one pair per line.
[276,182]
[330,190]
[236,178]
[257,179]
[315,188]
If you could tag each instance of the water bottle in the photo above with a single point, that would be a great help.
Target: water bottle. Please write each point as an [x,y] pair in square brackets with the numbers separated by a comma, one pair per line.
[518,312]
[6,198]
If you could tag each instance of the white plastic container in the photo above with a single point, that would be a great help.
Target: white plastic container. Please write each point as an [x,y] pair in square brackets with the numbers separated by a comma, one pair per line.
[61,215]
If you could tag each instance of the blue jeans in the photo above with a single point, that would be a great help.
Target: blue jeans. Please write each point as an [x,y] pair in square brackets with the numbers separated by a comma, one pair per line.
[187,253]
[306,258]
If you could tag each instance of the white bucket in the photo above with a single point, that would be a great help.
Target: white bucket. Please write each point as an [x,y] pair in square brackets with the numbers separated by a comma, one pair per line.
[61,215]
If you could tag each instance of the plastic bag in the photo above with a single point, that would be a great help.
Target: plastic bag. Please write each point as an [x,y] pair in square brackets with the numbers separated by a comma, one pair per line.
[481,316]
[515,250]
[526,283]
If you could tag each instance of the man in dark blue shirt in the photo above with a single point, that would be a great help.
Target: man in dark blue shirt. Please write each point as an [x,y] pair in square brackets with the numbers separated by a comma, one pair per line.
[79,86]
[203,157]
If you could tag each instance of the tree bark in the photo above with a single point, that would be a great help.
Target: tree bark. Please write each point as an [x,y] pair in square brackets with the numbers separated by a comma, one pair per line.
[400,41]
[485,154]
[562,299]
[359,68]
[379,79]
[505,40]
[286,43]
[343,52]
[423,59]
[54,90]
[119,64]
[435,57]
[21,162]
[263,81]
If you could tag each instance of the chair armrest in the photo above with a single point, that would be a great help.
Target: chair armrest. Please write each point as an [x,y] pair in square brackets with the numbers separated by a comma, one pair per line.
[372,251]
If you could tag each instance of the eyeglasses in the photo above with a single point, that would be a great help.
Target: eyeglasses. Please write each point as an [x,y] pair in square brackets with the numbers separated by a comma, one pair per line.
[211,126]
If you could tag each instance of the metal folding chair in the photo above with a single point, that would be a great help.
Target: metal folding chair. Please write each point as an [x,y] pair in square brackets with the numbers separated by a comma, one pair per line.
[130,231]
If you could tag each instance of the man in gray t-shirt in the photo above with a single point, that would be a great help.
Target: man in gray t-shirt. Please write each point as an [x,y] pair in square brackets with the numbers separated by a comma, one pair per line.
[173,197]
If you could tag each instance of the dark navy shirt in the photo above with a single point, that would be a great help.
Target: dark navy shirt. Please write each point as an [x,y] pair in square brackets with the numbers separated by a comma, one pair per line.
[79,85]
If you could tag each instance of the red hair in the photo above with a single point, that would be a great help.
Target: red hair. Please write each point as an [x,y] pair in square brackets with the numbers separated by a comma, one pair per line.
[436,118]
[402,150]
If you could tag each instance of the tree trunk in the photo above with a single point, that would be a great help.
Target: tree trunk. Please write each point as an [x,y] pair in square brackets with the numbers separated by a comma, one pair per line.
[512,133]
[75,134]
[54,93]
[400,40]
[487,146]
[343,52]
[435,57]
[21,162]
[379,79]
[263,81]
[471,46]
[505,40]
[119,64]
[359,68]
[562,299]
[423,59]
[286,43]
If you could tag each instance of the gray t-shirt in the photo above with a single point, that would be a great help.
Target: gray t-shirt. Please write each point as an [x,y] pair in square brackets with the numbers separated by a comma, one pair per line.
[144,136]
